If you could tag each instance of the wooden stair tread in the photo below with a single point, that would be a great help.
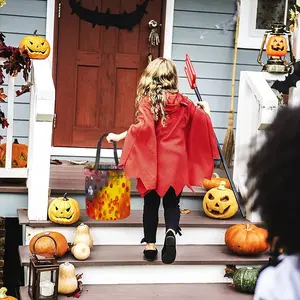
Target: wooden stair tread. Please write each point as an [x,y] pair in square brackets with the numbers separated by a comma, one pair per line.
[70,178]
[211,291]
[104,255]
[193,219]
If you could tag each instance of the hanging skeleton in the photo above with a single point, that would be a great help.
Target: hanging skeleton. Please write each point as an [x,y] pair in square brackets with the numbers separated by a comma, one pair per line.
[153,39]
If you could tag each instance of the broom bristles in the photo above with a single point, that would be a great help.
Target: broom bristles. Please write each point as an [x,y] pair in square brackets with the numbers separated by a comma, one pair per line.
[228,147]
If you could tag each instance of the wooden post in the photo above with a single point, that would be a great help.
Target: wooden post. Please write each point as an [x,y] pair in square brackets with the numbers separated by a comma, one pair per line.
[40,138]
[257,106]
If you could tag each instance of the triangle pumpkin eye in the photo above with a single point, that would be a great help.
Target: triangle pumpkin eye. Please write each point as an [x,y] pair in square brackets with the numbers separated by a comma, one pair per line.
[31,43]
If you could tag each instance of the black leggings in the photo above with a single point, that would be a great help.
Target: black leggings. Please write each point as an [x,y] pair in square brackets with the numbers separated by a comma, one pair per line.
[150,214]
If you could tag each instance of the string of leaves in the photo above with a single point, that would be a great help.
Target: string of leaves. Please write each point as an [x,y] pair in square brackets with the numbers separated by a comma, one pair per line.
[16,60]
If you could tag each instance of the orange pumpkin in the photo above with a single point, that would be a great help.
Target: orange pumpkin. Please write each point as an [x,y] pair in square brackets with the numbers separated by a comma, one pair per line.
[3,295]
[246,239]
[37,46]
[45,246]
[214,182]
[276,46]
[19,155]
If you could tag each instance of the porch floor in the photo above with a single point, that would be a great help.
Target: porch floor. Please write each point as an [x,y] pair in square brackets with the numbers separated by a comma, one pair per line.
[70,178]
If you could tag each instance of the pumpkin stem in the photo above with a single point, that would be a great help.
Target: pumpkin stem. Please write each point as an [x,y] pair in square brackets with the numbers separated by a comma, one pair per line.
[65,197]
[230,270]
[3,292]
[222,186]
[16,141]
[35,32]
[215,175]
[248,227]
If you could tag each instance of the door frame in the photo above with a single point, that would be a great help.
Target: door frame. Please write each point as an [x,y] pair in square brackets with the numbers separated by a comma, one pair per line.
[52,35]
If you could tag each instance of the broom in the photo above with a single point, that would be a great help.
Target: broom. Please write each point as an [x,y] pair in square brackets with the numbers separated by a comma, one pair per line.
[191,76]
[228,146]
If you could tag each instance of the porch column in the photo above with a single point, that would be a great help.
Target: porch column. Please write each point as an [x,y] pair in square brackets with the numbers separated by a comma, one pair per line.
[40,139]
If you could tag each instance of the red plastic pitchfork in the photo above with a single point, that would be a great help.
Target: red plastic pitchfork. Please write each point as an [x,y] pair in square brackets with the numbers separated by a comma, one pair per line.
[191,76]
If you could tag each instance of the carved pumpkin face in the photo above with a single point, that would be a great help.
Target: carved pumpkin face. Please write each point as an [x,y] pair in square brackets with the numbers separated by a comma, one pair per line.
[64,210]
[19,155]
[276,46]
[220,203]
[37,46]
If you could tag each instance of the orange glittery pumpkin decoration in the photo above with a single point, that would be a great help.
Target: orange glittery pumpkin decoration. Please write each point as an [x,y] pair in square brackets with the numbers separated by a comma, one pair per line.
[276,46]
[19,155]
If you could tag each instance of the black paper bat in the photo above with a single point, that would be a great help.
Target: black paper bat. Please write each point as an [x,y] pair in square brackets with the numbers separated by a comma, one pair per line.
[121,21]
[290,80]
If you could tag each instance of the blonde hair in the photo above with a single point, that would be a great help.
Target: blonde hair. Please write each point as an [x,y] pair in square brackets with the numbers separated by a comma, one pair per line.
[158,78]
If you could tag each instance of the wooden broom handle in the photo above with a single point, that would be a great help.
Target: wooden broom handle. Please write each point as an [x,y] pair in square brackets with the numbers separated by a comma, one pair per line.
[235,60]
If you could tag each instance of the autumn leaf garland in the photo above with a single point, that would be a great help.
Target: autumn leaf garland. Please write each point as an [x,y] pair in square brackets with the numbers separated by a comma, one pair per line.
[16,60]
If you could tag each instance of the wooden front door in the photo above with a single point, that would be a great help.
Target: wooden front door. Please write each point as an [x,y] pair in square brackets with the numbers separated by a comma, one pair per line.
[97,72]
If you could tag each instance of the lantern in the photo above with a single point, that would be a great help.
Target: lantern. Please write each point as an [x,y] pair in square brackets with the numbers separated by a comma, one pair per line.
[279,40]
[43,276]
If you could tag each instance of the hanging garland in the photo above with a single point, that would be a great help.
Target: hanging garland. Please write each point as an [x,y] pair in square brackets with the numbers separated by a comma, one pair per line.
[124,20]
[16,60]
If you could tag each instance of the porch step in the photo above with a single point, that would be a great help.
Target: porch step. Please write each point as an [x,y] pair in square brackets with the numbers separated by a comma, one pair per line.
[132,255]
[157,291]
[121,264]
[197,229]
[193,219]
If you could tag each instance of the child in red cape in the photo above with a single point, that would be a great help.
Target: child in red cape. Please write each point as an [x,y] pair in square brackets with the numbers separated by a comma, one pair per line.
[171,146]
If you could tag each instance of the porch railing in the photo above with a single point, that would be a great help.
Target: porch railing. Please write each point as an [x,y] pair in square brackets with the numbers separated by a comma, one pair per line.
[257,107]
[40,135]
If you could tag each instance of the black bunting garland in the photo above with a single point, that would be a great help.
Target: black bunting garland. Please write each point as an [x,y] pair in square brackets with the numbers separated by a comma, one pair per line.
[124,20]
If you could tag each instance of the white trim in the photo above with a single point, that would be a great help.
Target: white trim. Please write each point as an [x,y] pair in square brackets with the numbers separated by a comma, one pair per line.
[167,53]
[169,21]
[249,36]
[50,28]
[81,152]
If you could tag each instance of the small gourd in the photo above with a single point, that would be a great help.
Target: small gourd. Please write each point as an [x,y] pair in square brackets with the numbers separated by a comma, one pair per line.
[244,279]
[83,235]
[81,251]
[3,295]
[67,280]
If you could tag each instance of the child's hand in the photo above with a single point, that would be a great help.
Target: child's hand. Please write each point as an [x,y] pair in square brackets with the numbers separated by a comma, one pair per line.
[112,137]
[204,105]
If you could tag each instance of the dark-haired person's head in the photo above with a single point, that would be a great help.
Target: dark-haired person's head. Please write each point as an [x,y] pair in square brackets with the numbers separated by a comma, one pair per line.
[274,174]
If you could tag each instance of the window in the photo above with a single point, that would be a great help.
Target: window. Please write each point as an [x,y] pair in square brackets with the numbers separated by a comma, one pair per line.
[256,16]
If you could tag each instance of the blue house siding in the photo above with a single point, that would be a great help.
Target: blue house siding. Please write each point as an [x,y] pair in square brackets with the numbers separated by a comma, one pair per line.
[212,55]
[17,19]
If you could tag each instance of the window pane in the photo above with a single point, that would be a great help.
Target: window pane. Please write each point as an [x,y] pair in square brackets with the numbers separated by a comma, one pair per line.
[270,12]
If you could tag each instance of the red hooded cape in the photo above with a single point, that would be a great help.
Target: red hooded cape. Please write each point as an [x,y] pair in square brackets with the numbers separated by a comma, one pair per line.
[177,155]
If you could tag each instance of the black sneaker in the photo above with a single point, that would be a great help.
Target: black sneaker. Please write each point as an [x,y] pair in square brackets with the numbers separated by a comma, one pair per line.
[169,250]
[150,254]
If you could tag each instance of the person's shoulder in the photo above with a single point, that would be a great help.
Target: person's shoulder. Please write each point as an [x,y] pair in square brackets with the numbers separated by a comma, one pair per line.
[186,100]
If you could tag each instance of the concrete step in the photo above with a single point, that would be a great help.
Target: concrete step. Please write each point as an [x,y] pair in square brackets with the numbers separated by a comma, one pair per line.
[157,291]
[197,229]
[121,264]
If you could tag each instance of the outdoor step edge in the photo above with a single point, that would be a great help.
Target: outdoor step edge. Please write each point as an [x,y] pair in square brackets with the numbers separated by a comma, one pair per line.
[104,255]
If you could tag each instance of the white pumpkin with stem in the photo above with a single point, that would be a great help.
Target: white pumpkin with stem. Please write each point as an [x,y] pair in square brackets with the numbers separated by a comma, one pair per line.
[83,235]
[67,280]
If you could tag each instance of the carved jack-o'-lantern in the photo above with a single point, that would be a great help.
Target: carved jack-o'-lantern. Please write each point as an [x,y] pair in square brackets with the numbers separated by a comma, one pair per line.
[19,155]
[220,203]
[276,46]
[64,210]
[37,46]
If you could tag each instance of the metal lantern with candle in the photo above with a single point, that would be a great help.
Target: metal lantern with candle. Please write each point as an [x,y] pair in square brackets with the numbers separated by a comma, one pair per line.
[43,275]
[276,49]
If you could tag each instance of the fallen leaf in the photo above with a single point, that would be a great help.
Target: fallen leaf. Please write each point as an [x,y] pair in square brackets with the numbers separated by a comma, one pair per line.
[185,211]
[2,95]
